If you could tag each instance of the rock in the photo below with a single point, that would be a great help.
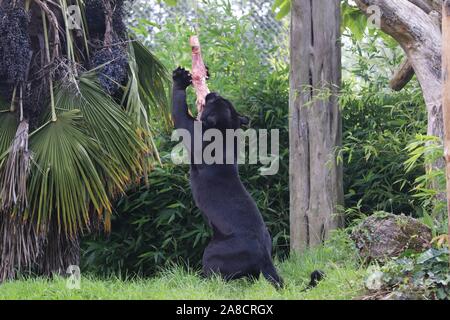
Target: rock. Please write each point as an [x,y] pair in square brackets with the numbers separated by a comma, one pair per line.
[384,235]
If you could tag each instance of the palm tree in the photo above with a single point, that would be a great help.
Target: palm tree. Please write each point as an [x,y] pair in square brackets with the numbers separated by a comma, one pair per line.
[76,107]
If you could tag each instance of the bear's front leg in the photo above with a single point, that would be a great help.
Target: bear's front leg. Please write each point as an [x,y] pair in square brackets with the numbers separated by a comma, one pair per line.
[180,112]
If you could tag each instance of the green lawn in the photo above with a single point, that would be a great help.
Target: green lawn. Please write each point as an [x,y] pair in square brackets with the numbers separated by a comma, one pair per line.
[344,281]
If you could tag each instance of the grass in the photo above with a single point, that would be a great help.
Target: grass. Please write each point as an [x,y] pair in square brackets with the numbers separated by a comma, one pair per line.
[344,280]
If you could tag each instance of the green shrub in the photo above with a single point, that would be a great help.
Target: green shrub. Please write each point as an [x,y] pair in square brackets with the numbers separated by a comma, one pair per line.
[429,187]
[151,227]
[378,125]
[415,276]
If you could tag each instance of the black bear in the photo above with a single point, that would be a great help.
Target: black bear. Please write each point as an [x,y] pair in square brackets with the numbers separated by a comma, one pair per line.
[241,245]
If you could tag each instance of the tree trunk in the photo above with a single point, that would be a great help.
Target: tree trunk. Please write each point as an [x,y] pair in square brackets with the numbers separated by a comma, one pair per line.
[414,25]
[446,97]
[315,122]
[25,251]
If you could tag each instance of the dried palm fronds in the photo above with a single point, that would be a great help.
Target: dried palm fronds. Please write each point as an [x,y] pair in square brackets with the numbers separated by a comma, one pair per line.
[14,174]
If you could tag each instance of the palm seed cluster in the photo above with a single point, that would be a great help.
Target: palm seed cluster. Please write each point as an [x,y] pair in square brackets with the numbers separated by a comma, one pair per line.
[22,50]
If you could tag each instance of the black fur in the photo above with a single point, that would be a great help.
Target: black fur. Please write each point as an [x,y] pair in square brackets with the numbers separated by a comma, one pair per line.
[316,277]
[241,245]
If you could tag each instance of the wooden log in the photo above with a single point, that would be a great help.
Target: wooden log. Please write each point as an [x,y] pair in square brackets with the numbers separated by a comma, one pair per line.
[446,96]
[402,76]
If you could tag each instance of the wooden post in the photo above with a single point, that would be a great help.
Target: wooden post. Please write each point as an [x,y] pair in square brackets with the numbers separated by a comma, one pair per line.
[446,98]
[314,122]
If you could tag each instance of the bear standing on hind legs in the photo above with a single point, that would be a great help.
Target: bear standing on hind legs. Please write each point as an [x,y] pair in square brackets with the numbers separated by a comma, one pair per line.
[241,245]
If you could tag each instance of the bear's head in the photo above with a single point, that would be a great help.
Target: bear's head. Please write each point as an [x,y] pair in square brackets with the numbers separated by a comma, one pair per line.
[220,114]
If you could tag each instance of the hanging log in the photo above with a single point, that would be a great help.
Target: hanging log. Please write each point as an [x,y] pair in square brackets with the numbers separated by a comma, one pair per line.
[199,74]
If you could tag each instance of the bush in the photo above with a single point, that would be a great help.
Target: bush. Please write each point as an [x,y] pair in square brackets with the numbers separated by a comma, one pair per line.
[378,126]
[152,226]
[415,276]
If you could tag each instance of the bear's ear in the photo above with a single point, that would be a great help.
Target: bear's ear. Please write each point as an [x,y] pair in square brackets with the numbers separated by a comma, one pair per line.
[244,120]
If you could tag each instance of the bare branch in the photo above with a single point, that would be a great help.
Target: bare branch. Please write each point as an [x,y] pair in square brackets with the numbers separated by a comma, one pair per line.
[402,76]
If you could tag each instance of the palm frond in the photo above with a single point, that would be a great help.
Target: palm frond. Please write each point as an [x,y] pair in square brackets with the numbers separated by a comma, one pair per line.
[138,109]
[14,172]
[153,82]
[8,128]
[134,103]
[87,146]
[68,180]
[4,106]
[106,122]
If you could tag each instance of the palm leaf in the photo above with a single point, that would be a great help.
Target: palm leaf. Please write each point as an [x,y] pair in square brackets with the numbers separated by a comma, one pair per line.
[135,104]
[89,149]
[8,128]
[68,180]
[106,122]
[83,159]
[14,172]
[153,80]
[138,108]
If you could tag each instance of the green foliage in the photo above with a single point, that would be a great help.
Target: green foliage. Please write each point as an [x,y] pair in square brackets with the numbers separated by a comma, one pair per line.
[169,2]
[429,187]
[227,46]
[281,8]
[352,18]
[378,126]
[77,145]
[154,226]
[418,276]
